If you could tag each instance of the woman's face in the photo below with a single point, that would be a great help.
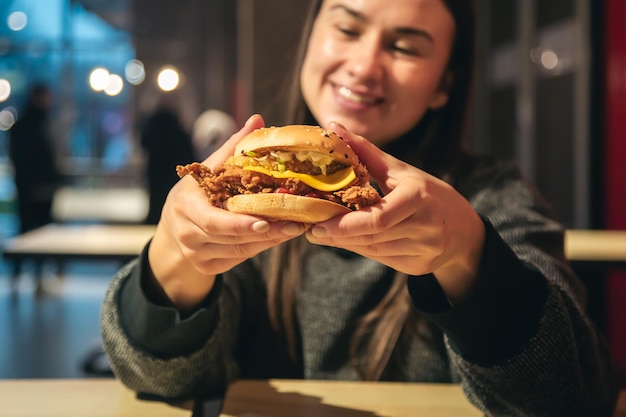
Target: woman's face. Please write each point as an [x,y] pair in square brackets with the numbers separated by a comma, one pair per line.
[376,66]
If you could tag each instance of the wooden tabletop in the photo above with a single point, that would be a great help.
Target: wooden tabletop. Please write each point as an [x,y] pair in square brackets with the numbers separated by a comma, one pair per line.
[598,245]
[273,398]
[291,398]
[110,204]
[76,398]
[76,241]
[595,247]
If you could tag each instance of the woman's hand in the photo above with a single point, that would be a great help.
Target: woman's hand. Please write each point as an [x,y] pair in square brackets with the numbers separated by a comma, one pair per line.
[194,240]
[422,225]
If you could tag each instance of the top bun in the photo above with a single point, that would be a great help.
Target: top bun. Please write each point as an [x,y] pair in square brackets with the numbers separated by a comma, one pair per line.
[298,138]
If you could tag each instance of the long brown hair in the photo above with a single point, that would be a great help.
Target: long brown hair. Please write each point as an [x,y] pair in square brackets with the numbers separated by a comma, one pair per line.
[434,144]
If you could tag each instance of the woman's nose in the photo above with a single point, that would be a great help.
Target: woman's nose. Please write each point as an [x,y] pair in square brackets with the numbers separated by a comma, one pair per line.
[366,62]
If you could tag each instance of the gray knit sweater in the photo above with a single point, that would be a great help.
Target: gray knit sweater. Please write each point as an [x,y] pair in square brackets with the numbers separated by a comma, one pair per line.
[520,344]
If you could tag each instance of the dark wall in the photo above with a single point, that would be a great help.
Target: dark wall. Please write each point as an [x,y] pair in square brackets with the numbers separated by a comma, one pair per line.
[277,28]
[534,114]
[200,39]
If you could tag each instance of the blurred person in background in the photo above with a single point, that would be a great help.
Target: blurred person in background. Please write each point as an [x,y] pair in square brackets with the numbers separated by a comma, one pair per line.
[210,130]
[166,144]
[31,150]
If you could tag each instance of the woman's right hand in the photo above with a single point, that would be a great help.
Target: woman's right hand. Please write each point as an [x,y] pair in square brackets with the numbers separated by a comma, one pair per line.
[194,241]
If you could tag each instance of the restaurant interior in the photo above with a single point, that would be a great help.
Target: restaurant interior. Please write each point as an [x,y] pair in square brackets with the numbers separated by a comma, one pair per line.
[550,95]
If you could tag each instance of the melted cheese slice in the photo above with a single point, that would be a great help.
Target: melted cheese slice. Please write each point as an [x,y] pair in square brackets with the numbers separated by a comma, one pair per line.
[327,183]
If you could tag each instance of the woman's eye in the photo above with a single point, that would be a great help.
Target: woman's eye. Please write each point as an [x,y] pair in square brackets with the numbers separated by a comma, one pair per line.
[348,31]
[404,49]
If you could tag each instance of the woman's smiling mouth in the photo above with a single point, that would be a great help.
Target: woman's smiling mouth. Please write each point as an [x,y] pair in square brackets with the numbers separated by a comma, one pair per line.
[357,98]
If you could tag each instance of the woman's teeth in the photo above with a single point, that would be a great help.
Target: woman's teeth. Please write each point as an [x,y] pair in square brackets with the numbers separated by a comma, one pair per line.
[350,95]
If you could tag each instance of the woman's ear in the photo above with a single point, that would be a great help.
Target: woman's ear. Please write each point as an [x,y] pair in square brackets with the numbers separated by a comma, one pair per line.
[440,99]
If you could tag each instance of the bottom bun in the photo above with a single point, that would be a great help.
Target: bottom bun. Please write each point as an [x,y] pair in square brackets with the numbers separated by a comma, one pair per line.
[285,207]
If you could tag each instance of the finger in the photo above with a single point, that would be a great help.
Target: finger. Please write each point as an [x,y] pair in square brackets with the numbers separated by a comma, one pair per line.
[394,209]
[242,251]
[407,239]
[416,264]
[228,148]
[258,231]
[409,265]
[215,221]
[355,241]
[220,226]
[381,166]
[398,248]
[215,259]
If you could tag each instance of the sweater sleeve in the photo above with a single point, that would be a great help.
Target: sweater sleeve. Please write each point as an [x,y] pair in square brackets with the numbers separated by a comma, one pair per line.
[158,329]
[496,319]
[155,351]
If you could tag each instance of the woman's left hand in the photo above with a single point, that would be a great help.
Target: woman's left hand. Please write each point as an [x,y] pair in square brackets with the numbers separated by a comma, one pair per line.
[422,225]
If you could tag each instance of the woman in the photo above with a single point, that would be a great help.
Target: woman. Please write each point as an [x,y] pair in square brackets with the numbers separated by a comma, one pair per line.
[457,276]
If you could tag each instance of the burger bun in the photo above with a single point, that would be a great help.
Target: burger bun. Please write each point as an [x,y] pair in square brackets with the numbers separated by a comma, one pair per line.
[299,138]
[285,207]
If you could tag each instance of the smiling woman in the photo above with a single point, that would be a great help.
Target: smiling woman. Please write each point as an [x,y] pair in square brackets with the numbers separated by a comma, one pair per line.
[437,282]
[377,69]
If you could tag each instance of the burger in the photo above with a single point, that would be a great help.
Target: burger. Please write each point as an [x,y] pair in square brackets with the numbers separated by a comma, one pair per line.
[294,173]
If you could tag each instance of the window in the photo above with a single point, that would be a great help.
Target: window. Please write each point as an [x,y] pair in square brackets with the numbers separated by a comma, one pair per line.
[59,42]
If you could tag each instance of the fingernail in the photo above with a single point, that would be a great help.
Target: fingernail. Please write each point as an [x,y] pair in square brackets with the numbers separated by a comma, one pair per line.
[292,229]
[261,226]
[338,125]
[250,119]
[318,231]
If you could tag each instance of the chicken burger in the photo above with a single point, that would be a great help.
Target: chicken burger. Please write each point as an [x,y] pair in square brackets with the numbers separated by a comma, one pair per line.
[295,173]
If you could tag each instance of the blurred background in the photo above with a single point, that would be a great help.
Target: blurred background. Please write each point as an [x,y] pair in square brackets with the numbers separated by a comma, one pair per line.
[550,83]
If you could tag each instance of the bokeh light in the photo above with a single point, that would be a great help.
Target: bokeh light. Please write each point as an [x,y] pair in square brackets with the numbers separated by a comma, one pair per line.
[8,117]
[168,78]
[99,79]
[5,89]
[135,72]
[549,60]
[17,21]
[115,85]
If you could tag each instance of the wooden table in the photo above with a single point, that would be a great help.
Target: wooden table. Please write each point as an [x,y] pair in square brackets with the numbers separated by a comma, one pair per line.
[291,398]
[585,248]
[596,248]
[277,398]
[94,241]
[273,398]
[125,241]
[100,205]
[63,242]
[76,398]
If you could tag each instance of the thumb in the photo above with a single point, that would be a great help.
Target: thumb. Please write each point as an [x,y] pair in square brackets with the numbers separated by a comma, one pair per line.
[228,148]
[381,166]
